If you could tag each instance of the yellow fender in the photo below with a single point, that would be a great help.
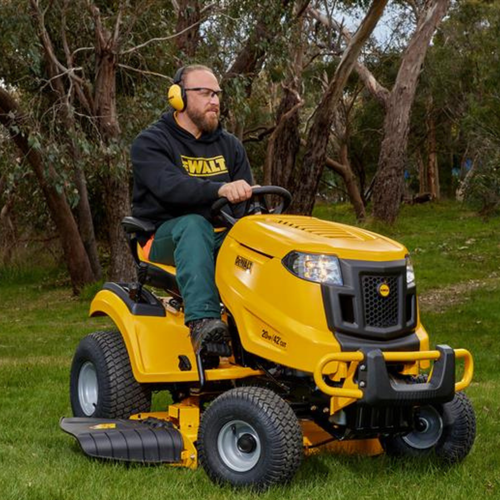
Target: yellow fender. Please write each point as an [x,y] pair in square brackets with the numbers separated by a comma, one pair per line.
[154,343]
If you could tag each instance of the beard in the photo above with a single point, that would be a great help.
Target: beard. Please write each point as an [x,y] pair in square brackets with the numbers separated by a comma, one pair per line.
[207,122]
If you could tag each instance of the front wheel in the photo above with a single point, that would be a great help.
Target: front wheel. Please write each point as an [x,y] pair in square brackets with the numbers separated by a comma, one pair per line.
[448,430]
[249,436]
[102,384]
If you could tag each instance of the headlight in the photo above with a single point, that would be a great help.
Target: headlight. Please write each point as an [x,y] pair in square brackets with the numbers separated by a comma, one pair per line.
[314,267]
[410,273]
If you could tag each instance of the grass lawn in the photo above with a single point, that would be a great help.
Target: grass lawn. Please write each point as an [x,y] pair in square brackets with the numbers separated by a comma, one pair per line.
[458,273]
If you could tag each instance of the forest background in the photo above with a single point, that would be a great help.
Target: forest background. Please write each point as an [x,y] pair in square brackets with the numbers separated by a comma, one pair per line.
[376,103]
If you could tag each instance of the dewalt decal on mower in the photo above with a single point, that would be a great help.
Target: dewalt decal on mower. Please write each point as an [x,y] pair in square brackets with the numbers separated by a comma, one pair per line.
[273,338]
[204,167]
[245,264]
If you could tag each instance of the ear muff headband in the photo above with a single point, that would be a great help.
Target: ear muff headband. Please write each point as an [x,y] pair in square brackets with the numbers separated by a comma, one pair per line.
[176,94]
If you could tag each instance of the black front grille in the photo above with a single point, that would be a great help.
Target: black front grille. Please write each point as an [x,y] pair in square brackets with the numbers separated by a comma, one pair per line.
[359,315]
[380,312]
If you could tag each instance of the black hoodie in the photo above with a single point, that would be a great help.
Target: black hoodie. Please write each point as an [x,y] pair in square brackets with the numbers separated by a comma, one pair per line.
[177,174]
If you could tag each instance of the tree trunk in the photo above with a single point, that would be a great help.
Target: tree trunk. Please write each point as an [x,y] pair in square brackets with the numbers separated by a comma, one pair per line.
[189,14]
[8,232]
[388,187]
[314,159]
[85,222]
[432,165]
[75,255]
[284,143]
[117,205]
[345,171]
[351,185]
[115,183]
[422,174]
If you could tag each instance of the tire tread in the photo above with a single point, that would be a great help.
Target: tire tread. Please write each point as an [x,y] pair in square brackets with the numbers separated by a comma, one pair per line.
[278,416]
[121,394]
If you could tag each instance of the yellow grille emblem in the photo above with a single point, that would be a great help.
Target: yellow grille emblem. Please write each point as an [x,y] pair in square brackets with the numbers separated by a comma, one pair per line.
[384,290]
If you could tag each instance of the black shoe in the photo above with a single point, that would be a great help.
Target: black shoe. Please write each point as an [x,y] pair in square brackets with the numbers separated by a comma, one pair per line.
[211,336]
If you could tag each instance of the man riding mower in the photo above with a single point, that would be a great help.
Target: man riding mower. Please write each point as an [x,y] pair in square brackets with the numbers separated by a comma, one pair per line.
[326,344]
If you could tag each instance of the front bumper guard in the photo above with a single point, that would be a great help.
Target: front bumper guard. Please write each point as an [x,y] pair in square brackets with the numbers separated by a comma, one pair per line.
[375,387]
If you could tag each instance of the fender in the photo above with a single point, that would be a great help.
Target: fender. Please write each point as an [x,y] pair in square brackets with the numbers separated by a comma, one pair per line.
[153,336]
[155,340]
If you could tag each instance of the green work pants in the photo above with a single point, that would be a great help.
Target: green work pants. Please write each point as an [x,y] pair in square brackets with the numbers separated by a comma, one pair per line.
[190,244]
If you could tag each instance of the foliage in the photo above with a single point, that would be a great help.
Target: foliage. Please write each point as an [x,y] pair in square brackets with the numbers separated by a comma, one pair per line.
[482,188]
[458,88]
[462,76]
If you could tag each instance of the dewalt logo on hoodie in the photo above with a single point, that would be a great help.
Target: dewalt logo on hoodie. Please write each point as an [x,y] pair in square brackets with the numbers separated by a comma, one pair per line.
[204,167]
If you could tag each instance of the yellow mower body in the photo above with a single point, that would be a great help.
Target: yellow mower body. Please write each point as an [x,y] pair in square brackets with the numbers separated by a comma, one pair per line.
[280,318]
[347,357]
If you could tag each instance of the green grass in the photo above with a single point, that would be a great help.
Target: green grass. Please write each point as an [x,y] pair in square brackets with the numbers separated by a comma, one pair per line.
[41,324]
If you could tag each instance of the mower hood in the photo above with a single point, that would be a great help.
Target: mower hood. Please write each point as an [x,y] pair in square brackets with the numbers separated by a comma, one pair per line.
[277,235]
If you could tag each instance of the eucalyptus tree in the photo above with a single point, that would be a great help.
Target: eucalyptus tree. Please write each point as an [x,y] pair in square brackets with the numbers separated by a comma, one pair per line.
[83,77]
[396,102]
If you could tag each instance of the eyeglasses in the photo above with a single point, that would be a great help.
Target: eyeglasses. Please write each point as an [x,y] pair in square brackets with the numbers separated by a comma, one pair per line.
[205,92]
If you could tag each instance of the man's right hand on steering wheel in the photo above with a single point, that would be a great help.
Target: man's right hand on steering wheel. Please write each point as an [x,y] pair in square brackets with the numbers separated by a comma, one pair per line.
[255,203]
[235,191]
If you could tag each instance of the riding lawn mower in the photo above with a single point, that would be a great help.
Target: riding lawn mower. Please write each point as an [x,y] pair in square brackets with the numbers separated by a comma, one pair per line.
[327,347]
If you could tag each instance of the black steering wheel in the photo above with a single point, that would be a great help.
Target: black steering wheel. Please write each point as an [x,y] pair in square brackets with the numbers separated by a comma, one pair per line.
[256,204]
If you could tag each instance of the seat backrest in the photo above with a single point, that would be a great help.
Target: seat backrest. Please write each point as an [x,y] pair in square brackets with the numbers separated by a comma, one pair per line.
[134,225]
[148,273]
[134,228]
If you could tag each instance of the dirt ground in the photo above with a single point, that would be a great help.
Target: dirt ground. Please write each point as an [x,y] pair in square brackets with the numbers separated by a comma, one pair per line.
[440,299]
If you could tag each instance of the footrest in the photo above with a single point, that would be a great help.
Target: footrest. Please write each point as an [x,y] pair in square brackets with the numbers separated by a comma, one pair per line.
[146,441]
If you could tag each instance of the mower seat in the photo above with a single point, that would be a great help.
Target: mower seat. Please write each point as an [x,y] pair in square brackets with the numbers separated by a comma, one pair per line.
[149,273]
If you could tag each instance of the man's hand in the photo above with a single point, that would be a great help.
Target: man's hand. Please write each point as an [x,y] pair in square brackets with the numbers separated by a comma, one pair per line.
[235,191]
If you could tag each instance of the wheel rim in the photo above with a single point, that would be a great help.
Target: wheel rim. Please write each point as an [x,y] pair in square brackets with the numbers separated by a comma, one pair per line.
[88,389]
[239,446]
[428,431]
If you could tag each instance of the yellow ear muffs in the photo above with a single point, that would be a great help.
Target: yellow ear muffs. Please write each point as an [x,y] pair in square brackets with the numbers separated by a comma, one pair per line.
[176,94]
[175,97]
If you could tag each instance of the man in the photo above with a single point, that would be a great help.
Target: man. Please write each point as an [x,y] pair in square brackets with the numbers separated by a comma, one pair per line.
[182,164]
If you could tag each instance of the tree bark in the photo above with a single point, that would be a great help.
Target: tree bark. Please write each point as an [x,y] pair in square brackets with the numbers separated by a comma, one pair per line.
[316,147]
[284,143]
[8,230]
[116,188]
[345,171]
[388,187]
[422,174]
[432,164]
[188,14]
[85,222]
[75,255]
[388,182]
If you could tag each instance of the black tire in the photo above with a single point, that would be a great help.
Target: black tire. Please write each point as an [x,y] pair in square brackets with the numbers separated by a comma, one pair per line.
[249,436]
[102,384]
[448,431]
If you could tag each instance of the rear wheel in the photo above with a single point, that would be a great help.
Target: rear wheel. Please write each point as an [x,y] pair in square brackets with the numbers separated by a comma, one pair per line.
[249,436]
[447,430]
[102,384]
